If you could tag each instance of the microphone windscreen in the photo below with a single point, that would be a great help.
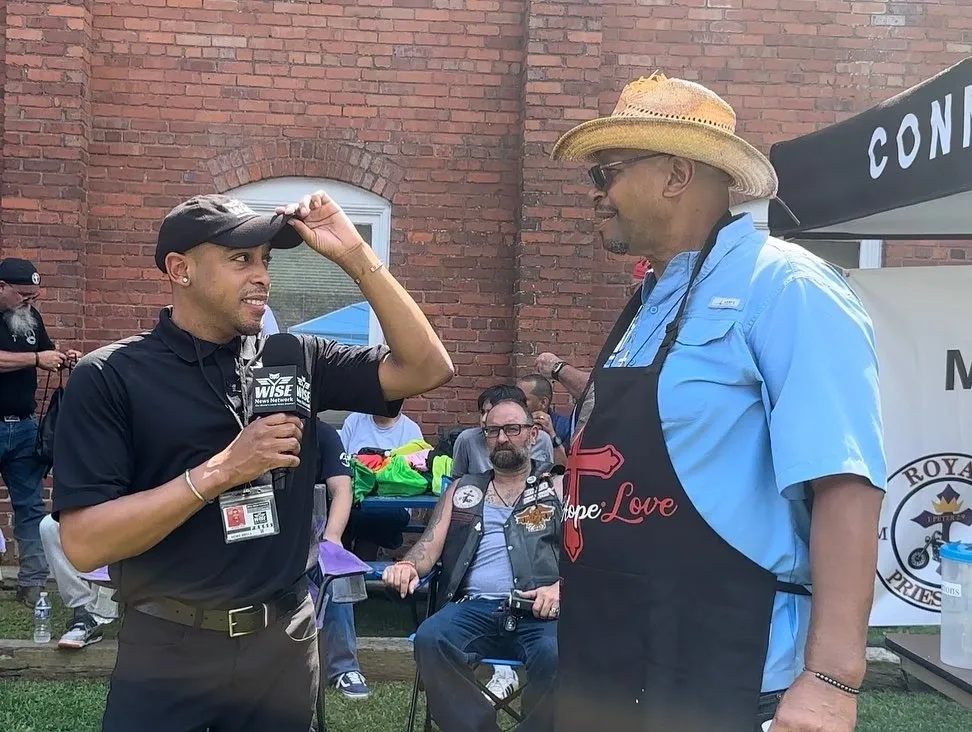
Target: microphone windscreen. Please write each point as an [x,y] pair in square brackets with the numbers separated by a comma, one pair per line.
[283,349]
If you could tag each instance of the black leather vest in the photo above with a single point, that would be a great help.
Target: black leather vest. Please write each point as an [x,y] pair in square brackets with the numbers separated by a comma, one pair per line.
[533,532]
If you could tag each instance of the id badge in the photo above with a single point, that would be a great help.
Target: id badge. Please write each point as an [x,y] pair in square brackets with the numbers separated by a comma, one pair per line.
[248,513]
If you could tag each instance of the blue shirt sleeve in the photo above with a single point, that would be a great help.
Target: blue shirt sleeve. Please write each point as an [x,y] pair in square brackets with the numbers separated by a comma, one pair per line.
[814,347]
[334,460]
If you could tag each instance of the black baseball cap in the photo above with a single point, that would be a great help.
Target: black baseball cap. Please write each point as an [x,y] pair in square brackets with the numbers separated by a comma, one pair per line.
[221,220]
[18,272]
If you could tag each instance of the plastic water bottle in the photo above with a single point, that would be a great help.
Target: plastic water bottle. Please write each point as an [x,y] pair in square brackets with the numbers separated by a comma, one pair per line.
[42,620]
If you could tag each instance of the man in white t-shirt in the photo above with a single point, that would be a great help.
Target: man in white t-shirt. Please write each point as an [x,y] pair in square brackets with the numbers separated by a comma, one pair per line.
[386,433]
[371,528]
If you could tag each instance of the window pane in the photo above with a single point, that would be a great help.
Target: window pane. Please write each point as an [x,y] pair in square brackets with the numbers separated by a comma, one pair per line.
[307,286]
[845,254]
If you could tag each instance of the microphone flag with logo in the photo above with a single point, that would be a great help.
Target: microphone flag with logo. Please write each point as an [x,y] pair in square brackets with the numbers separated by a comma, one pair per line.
[281,386]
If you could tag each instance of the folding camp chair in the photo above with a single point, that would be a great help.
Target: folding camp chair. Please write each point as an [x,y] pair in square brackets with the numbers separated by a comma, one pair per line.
[500,705]
[334,563]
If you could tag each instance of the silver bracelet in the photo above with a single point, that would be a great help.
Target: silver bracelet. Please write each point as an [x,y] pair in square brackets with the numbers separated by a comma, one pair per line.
[196,493]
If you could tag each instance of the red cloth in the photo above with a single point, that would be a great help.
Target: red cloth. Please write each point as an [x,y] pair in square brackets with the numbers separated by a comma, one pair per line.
[373,462]
[641,268]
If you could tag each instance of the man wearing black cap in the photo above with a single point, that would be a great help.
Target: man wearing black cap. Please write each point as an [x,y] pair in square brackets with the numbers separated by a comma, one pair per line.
[24,348]
[161,474]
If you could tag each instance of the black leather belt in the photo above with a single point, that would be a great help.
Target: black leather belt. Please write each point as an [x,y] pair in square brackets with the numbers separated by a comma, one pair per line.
[236,622]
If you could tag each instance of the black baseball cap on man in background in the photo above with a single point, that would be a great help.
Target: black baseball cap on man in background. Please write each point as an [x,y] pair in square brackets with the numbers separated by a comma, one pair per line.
[18,272]
[224,221]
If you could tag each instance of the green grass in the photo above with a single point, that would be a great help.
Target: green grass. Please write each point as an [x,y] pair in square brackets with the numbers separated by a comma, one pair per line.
[27,706]
[875,636]
[60,707]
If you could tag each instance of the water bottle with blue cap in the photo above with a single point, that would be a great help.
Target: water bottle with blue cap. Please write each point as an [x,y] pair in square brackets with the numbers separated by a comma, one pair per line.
[956,638]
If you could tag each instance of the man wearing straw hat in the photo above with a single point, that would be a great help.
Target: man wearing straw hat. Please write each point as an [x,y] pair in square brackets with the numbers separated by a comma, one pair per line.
[737,391]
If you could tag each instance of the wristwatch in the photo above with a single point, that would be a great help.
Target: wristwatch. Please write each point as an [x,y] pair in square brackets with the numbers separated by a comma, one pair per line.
[557,442]
[555,371]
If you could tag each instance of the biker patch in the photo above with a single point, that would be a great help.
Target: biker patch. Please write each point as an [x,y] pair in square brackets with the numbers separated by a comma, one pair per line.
[534,518]
[467,496]
[538,491]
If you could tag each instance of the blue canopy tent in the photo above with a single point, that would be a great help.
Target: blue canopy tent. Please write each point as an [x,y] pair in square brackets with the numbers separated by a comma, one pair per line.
[346,325]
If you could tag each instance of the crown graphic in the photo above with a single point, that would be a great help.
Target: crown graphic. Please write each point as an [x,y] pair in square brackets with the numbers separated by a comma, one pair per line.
[948,501]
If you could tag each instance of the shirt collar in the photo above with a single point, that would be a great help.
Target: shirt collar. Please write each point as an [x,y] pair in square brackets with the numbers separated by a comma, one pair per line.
[679,269]
[183,344]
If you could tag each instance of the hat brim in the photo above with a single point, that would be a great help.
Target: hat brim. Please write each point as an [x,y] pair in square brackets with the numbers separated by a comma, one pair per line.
[752,173]
[259,230]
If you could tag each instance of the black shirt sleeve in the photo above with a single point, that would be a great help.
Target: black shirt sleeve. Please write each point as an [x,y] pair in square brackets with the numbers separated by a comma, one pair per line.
[44,342]
[346,378]
[93,454]
[334,460]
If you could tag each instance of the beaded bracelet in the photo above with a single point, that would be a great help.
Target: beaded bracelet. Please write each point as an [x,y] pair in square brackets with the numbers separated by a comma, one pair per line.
[834,682]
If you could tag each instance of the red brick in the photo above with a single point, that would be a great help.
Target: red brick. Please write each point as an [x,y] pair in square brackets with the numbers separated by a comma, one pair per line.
[448,112]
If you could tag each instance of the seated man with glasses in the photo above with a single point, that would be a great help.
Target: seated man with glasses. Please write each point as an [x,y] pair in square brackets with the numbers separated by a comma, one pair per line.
[470,453]
[494,532]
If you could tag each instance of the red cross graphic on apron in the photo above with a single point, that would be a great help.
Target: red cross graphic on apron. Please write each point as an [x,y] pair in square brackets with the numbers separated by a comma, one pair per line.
[601,462]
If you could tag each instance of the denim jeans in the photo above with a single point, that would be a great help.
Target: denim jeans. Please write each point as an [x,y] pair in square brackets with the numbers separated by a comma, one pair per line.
[23,476]
[449,643]
[340,643]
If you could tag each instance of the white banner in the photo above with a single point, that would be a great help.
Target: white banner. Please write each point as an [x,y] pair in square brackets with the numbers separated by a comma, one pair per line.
[923,326]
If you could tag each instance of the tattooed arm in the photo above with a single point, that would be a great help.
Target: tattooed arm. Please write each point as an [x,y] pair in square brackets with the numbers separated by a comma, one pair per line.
[421,558]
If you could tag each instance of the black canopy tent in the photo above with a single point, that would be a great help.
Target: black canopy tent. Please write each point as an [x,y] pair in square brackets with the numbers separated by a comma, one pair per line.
[901,170]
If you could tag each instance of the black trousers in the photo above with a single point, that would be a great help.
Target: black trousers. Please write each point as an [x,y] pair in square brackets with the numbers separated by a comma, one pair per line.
[174,678]
[768,702]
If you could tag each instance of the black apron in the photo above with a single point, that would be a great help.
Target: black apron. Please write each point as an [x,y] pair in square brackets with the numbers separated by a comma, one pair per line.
[664,626]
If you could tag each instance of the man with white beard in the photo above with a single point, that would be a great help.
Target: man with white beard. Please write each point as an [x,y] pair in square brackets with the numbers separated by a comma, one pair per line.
[24,347]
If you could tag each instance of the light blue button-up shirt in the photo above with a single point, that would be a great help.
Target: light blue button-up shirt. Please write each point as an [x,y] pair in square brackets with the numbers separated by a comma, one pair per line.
[772,382]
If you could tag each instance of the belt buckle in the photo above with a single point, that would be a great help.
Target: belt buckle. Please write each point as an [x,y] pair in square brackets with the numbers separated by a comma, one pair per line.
[11,419]
[232,620]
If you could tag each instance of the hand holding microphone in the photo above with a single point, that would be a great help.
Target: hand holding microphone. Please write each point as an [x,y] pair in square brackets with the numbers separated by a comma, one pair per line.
[281,389]
[269,443]
[280,402]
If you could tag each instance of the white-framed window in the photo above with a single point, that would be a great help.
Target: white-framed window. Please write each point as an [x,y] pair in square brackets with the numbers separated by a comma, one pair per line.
[310,293]
[846,253]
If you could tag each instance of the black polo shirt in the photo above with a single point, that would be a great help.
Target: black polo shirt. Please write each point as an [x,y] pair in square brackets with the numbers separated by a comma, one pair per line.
[139,412]
[18,388]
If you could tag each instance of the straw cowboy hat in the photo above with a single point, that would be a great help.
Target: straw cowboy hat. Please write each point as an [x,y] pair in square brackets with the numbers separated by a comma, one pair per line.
[680,118]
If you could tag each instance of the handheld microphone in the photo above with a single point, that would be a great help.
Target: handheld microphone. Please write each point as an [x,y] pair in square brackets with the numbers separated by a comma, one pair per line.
[281,386]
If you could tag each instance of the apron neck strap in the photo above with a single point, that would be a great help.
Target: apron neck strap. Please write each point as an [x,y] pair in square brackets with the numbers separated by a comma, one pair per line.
[671,330]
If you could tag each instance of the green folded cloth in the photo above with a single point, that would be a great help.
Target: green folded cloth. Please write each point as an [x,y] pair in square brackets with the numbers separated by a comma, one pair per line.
[399,479]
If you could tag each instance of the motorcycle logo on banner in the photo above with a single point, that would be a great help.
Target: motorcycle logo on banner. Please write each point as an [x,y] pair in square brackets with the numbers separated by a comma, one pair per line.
[935,507]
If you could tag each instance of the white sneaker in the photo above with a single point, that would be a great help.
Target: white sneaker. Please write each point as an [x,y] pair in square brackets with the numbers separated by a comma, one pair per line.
[504,682]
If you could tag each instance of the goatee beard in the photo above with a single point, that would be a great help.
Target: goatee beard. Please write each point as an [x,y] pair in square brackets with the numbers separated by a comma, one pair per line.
[20,321]
[616,246]
[508,459]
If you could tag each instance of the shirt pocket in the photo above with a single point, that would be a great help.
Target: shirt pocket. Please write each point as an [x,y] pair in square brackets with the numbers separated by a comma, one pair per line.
[709,372]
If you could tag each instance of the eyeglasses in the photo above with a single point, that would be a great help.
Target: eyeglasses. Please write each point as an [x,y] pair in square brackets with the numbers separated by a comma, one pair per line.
[599,175]
[510,430]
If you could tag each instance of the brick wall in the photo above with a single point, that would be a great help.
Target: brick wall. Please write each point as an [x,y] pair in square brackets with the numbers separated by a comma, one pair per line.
[114,110]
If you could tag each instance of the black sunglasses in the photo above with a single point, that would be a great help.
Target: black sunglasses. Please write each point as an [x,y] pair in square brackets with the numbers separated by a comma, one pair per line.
[510,430]
[599,175]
